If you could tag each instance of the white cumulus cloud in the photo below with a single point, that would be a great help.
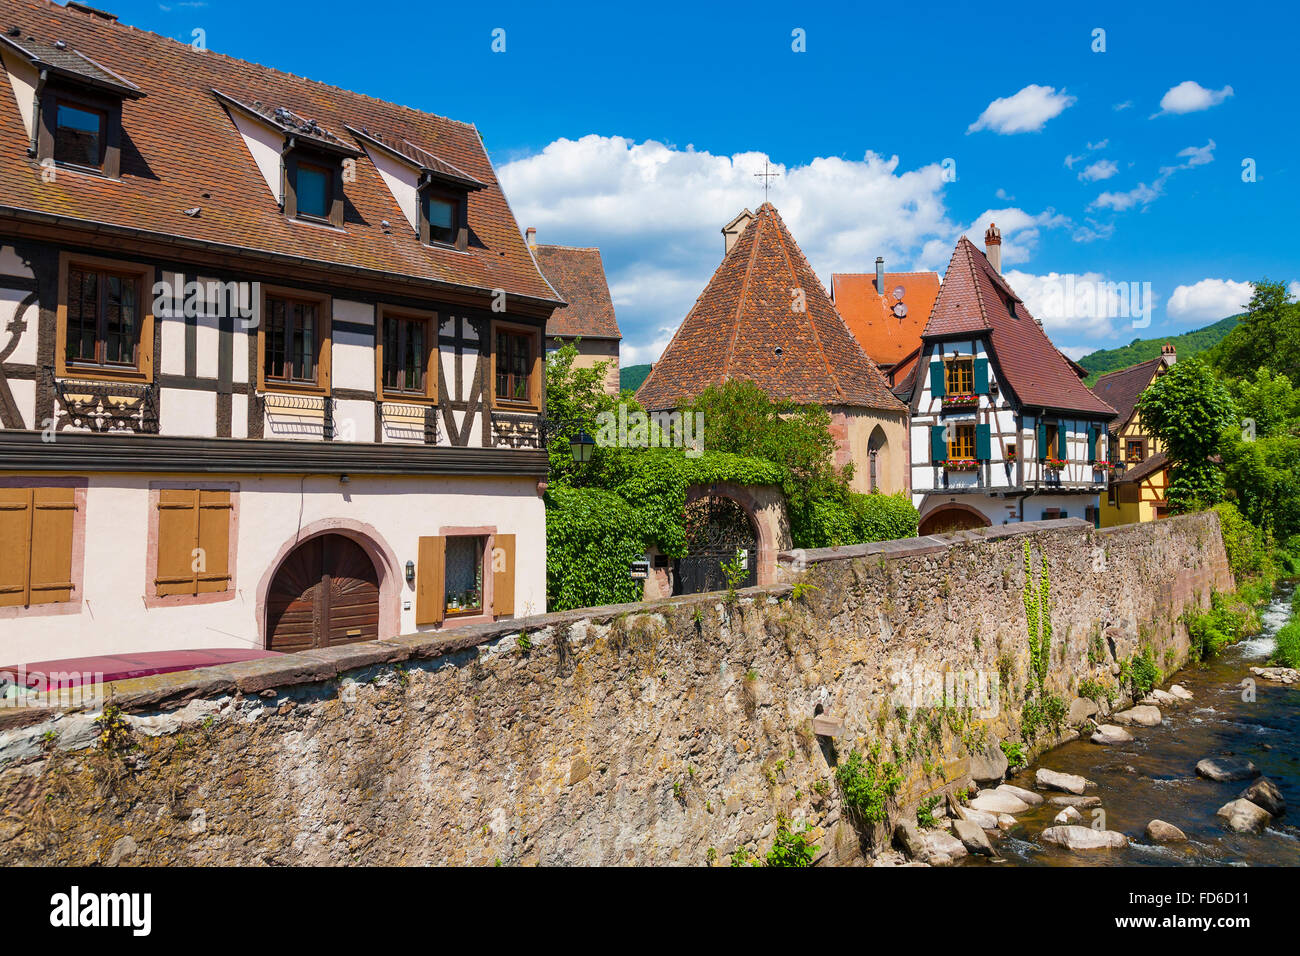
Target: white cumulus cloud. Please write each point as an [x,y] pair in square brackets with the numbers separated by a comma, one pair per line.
[1101,169]
[1190,97]
[1023,112]
[1086,305]
[1209,300]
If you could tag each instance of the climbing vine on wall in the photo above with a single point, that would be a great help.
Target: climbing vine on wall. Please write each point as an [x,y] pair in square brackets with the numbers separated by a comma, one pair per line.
[1040,708]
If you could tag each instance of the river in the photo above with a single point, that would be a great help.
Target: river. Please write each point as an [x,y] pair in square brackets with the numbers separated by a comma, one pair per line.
[1155,776]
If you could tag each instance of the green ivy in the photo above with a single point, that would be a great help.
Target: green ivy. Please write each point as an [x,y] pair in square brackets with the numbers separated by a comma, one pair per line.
[592,538]
[866,784]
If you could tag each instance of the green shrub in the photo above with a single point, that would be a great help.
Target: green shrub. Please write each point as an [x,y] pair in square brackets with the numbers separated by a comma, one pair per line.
[791,847]
[1048,712]
[592,538]
[828,522]
[1015,754]
[1211,631]
[1141,673]
[866,784]
[1287,652]
[925,813]
[1249,549]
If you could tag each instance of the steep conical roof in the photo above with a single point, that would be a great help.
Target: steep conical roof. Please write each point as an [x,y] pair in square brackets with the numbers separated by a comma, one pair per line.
[751,322]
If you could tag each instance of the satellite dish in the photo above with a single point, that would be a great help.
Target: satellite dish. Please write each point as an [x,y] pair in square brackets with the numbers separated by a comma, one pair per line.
[898,292]
[900,310]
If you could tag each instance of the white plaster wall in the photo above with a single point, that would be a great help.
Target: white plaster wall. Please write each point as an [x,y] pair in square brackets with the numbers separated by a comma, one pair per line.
[402,181]
[1007,510]
[113,617]
[23,78]
[187,411]
[264,145]
[354,420]
[238,415]
[172,359]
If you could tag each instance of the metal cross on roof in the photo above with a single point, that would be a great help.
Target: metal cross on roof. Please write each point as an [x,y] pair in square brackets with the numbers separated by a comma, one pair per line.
[767,177]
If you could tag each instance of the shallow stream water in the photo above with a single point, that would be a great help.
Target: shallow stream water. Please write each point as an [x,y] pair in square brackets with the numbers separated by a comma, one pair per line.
[1155,776]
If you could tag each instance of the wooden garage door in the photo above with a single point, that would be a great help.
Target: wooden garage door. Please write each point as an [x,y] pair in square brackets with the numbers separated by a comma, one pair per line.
[326,592]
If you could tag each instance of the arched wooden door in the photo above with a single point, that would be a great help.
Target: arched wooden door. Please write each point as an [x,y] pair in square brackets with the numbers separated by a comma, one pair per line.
[325,592]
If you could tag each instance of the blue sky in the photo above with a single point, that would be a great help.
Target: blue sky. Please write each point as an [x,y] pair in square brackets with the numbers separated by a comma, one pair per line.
[638,129]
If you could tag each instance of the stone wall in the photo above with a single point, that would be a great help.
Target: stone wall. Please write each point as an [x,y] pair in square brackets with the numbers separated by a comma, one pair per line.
[672,732]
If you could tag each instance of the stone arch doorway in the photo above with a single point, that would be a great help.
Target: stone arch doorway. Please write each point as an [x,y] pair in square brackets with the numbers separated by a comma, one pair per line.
[952,517]
[877,457]
[324,592]
[718,532]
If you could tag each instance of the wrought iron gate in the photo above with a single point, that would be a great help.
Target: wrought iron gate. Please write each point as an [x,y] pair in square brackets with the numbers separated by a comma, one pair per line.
[717,532]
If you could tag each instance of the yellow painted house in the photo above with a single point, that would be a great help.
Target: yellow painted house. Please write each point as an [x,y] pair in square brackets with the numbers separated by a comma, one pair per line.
[1139,470]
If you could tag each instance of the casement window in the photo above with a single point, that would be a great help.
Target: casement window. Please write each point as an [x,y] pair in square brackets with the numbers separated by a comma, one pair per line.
[192,550]
[465,575]
[36,543]
[516,368]
[80,134]
[443,218]
[293,341]
[105,319]
[959,376]
[407,355]
[313,186]
[1135,450]
[1050,436]
[961,443]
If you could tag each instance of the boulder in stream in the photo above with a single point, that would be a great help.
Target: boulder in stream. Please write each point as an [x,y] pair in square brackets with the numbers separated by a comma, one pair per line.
[1084,838]
[1069,800]
[1224,769]
[988,766]
[1179,691]
[1264,793]
[1081,708]
[1067,816]
[973,838]
[1243,816]
[1143,715]
[1109,734]
[996,801]
[1065,782]
[1160,832]
[1020,793]
[1280,675]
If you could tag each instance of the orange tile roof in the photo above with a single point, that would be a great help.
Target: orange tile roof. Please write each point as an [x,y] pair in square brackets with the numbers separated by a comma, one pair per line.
[578,275]
[179,144]
[869,315]
[744,326]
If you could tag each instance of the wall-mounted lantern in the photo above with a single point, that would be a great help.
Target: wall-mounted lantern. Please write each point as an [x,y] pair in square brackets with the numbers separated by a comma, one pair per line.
[583,446]
[410,572]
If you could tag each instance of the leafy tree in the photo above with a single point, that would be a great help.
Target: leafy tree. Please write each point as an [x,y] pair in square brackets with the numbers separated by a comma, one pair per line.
[1267,401]
[1188,409]
[1268,336]
[576,396]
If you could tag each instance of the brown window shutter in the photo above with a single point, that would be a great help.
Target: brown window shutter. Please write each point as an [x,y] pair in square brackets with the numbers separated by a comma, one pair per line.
[430,580]
[178,516]
[54,512]
[503,574]
[15,545]
[214,539]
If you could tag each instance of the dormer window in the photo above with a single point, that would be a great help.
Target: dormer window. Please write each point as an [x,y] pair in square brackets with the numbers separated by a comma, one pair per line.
[442,217]
[80,134]
[313,187]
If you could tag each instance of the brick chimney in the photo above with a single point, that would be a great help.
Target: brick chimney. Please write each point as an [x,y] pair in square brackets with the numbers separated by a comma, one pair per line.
[1168,354]
[880,275]
[530,234]
[993,247]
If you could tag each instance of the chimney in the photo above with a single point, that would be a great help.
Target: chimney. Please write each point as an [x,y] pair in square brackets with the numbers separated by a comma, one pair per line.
[1168,354]
[993,247]
[530,234]
[880,275]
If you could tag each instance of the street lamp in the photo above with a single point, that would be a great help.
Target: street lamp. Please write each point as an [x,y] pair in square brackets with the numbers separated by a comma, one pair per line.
[583,446]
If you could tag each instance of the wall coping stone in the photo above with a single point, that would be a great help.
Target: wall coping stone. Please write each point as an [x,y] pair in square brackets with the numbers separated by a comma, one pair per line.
[928,544]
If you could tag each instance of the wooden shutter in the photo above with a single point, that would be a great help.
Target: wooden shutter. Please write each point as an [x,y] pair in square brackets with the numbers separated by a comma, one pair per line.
[1042,441]
[15,545]
[214,538]
[178,534]
[503,580]
[938,444]
[54,511]
[1092,444]
[936,379]
[430,580]
[983,444]
[981,376]
[36,526]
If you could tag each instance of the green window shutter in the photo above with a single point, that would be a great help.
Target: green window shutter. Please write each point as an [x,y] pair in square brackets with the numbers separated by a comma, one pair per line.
[1092,444]
[936,379]
[981,376]
[1042,441]
[938,444]
[983,449]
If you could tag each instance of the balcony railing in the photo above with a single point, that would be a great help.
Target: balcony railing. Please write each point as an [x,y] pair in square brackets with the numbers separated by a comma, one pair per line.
[105,406]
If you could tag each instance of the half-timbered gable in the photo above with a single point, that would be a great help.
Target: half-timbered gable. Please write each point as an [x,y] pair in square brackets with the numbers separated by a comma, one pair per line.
[1003,428]
[223,281]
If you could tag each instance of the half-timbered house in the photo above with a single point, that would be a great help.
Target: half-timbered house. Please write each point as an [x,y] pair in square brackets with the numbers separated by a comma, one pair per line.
[1003,428]
[270,356]
[1139,469]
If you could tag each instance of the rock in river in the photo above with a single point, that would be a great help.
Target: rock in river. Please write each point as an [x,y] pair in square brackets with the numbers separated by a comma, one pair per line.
[988,766]
[1160,832]
[1144,715]
[1109,734]
[1065,782]
[1243,816]
[1264,793]
[1081,708]
[1020,793]
[1179,691]
[973,837]
[996,801]
[1083,803]
[1084,838]
[1226,768]
[1067,816]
